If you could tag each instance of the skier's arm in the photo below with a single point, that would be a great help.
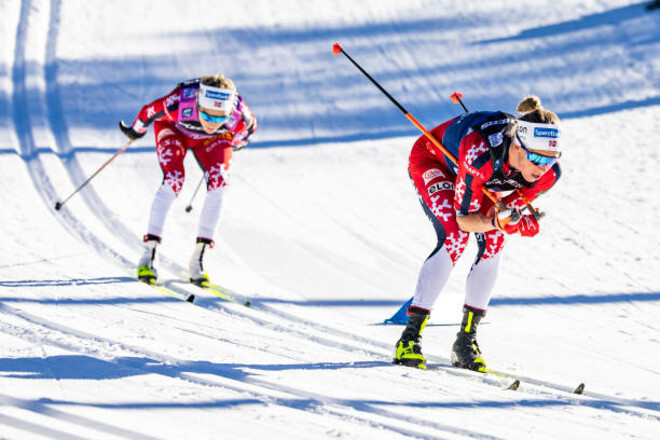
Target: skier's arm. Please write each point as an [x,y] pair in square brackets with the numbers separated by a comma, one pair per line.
[474,168]
[161,108]
[476,222]
[247,127]
[248,118]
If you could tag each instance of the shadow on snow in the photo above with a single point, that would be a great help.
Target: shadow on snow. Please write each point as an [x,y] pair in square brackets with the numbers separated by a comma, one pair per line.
[326,99]
[79,367]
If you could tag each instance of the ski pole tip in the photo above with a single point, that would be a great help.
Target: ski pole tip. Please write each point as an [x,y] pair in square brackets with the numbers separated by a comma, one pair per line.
[336,49]
[188,208]
[455,98]
[58,206]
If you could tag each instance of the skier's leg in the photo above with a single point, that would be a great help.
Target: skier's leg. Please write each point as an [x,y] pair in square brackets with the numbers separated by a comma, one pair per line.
[171,149]
[435,188]
[483,274]
[438,266]
[480,282]
[160,206]
[215,160]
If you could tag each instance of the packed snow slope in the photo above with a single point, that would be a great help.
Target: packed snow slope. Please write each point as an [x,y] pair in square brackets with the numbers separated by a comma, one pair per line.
[321,228]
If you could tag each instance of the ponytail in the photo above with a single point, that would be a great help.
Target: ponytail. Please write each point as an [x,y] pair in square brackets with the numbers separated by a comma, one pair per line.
[531,110]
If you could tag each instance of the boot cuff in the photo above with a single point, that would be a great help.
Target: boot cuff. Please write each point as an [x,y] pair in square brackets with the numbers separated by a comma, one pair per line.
[477,312]
[151,237]
[204,240]
[414,310]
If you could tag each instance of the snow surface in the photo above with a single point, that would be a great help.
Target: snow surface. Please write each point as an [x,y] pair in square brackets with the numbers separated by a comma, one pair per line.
[321,228]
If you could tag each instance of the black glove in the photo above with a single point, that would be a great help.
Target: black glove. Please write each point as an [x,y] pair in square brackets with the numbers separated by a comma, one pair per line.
[130,132]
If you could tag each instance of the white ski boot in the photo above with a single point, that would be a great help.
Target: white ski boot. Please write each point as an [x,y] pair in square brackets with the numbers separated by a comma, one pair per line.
[146,271]
[196,270]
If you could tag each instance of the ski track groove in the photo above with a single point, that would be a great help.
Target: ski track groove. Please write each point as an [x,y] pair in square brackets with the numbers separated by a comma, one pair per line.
[41,406]
[45,189]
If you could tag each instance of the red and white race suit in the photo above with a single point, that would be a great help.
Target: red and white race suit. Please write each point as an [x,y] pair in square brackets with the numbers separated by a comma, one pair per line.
[177,130]
[480,141]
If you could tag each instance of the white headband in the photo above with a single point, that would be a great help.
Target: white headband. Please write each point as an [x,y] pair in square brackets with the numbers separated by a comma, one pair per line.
[540,137]
[215,98]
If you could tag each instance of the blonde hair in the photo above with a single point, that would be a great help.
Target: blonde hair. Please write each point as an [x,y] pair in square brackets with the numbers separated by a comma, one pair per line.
[532,111]
[218,80]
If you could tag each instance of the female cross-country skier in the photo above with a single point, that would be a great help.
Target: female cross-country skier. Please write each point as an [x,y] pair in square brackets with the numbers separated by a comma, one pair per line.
[208,117]
[505,155]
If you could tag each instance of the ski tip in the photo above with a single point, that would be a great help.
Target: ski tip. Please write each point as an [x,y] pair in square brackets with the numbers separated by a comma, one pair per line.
[514,386]
[247,304]
[579,389]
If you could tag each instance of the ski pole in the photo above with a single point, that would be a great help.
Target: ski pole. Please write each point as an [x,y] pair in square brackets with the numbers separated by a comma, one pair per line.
[337,49]
[189,207]
[456,99]
[59,205]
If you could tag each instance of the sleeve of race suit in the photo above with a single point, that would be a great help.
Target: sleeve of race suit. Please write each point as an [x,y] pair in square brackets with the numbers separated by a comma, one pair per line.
[547,181]
[474,169]
[248,118]
[161,108]
[246,126]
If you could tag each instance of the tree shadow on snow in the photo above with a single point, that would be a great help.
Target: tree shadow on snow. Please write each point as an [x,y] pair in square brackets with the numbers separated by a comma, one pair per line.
[576,299]
[612,17]
[82,367]
[326,100]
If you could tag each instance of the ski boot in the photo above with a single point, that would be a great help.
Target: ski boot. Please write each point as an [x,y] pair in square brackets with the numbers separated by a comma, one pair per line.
[409,347]
[465,352]
[146,271]
[196,272]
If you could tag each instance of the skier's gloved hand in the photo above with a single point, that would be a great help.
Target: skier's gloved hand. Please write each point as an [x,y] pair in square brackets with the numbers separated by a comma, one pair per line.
[528,226]
[130,131]
[508,221]
[240,140]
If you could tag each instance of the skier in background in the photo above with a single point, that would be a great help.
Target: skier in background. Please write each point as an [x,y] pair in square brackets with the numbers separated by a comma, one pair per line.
[205,115]
[496,151]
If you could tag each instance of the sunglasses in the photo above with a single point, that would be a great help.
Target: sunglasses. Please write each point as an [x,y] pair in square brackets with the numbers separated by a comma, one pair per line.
[537,159]
[211,118]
